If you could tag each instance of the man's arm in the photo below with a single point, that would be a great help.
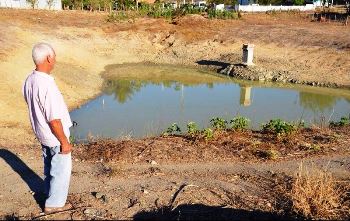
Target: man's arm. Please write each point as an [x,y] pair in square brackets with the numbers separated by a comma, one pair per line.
[57,129]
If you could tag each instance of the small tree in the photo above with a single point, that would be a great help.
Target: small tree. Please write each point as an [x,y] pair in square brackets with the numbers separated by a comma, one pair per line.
[50,3]
[33,3]
[298,2]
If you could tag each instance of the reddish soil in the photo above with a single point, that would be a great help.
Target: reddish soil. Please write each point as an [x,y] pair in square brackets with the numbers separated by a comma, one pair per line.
[228,146]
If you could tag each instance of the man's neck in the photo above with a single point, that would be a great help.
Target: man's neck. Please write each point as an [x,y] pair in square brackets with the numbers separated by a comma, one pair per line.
[43,70]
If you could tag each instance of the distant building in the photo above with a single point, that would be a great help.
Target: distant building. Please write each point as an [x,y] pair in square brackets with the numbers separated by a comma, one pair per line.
[40,4]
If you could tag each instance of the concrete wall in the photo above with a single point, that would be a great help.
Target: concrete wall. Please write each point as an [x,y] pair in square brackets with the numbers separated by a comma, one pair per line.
[265,8]
[41,4]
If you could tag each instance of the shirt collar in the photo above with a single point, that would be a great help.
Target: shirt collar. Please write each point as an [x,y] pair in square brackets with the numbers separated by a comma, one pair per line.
[43,74]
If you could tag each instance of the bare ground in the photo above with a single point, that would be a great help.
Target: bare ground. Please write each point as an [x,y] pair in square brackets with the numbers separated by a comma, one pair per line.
[225,178]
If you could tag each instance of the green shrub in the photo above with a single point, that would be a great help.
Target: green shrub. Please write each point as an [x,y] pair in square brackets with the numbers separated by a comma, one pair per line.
[192,128]
[218,123]
[224,14]
[173,129]
[117,16]
[343,122]
[208,133]
[72,139]
[239,123]
[298,2]
[161,12]
[279,127]
[190,9]
[157,10]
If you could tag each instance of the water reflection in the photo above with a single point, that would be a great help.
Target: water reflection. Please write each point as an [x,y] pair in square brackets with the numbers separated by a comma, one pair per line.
[144,100]
[245,94]
[316,102]
[123,90]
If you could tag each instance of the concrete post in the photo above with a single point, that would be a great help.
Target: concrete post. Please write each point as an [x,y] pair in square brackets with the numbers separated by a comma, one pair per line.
[248,54]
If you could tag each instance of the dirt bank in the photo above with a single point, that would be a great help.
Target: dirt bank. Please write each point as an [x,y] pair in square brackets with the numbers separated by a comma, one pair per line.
[132,187]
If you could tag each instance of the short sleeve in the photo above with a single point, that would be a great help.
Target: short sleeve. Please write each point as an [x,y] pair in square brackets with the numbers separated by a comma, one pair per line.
[52,102]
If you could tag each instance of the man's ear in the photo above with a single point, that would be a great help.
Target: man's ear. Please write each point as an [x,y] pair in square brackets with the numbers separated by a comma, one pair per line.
[49,58]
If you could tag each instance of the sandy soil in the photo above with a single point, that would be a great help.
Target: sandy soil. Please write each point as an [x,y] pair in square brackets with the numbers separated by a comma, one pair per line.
[85,44]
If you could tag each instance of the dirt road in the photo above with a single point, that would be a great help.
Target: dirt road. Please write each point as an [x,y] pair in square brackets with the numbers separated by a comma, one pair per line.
[235,190]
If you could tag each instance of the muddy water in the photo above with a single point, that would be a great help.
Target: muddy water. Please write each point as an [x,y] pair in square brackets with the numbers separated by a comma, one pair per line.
[143,100]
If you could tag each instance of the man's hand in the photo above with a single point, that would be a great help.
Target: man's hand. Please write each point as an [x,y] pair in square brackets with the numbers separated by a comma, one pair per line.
[57,130]
[66,148]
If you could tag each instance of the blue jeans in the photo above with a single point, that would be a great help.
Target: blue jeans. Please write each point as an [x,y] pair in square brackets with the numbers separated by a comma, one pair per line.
[57,171]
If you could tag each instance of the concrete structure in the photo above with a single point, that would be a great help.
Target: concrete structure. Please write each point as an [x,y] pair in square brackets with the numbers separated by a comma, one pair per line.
[248,54]
[245,95]
[199,4]
[265,8]
[40,4]
[220,7]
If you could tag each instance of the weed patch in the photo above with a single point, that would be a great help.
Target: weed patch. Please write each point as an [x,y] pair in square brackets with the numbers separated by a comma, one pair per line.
[239,123]
[315,194]
[268,154]
[192,129]
[279,127]
[218,123]
[344,121]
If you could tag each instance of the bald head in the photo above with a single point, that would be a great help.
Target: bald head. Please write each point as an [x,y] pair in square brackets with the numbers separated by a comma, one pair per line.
[41,51]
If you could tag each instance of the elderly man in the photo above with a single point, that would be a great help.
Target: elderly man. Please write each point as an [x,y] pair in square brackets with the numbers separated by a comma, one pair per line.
[50,121]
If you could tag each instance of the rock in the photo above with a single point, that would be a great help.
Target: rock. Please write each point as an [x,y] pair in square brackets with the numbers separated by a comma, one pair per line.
[227,70]
[170,40]
[92,212]
[104,198]
[132,202]
[305,146]
[153,162]
[99,195]
[261,78]
[268,76]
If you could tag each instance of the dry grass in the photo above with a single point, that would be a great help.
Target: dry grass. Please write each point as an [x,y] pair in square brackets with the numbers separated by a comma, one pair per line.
[317,195]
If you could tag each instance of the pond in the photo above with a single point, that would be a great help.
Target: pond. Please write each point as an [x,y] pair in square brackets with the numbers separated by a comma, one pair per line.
[141,100]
